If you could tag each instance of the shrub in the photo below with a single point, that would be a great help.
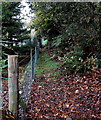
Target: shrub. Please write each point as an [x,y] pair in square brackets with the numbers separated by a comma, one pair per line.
[91,63]
[73,61]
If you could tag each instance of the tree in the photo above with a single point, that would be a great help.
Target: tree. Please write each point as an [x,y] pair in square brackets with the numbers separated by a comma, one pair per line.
[76,22]
[70,25]
[12,28]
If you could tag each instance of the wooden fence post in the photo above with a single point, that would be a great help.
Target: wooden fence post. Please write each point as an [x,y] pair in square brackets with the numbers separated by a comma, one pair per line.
[13,83]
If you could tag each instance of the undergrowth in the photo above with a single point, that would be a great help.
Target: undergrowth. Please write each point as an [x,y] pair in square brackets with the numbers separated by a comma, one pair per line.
[46,67]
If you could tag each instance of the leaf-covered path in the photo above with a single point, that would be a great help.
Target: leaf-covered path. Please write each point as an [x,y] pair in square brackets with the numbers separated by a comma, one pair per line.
[57,97]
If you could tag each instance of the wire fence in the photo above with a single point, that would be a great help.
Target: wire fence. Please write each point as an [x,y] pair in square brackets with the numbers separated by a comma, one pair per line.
[25,81]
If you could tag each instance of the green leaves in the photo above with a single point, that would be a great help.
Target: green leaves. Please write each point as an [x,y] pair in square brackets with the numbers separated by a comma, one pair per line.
[2,64]
[58,40]
[74,26]
[73,60]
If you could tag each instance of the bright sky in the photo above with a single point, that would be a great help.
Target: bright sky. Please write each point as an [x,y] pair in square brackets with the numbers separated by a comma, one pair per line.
[25,12]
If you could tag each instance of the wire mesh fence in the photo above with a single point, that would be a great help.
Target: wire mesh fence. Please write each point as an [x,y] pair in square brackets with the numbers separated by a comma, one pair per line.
[25,81]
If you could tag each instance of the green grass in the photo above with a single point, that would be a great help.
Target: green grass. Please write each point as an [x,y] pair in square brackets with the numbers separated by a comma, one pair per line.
[46,67]
[42,83]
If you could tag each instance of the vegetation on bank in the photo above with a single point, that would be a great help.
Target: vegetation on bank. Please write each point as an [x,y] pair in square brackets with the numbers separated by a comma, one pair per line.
[74,28]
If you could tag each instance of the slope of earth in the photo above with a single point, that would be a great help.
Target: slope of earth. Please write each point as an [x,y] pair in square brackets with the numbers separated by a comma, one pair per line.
[61,97]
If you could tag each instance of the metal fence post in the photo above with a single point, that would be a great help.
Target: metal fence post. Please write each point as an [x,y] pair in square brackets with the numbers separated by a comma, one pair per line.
[32,65]
[35,59]
[13,83]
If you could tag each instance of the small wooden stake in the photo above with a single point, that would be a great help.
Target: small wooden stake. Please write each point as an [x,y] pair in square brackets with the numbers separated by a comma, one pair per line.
[13,83]
[1,101]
